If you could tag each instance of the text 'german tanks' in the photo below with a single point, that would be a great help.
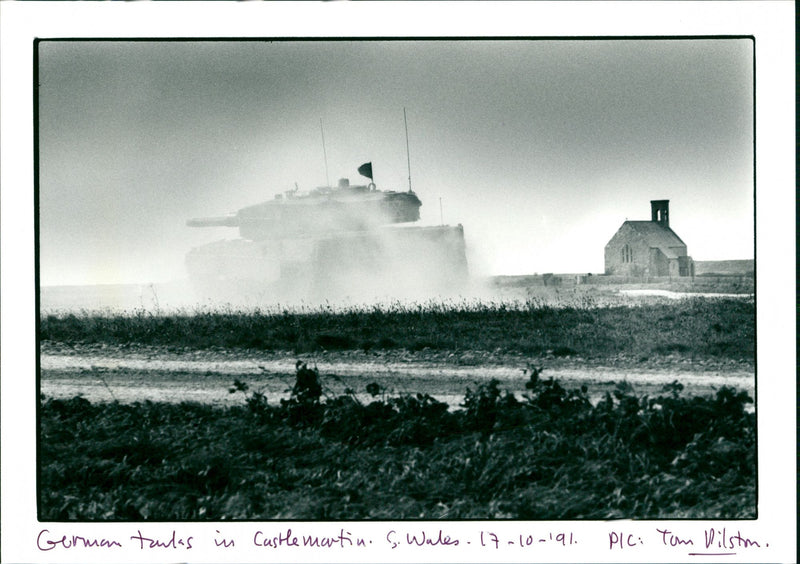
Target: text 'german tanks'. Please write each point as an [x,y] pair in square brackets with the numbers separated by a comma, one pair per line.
[332,242]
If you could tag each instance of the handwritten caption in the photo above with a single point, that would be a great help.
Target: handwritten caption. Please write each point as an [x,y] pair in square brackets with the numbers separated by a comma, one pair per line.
[712,541]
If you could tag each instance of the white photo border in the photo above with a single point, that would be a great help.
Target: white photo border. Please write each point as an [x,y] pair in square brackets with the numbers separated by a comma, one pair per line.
[770,23]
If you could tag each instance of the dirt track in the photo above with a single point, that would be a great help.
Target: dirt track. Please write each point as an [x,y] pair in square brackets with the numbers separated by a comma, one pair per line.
[136,374]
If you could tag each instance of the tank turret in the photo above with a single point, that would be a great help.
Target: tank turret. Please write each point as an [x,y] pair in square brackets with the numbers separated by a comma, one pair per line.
[331,241]
[325,209]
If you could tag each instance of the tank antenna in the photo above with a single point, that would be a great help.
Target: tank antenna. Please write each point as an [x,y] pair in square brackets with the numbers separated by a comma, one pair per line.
[408,153]
[324,154]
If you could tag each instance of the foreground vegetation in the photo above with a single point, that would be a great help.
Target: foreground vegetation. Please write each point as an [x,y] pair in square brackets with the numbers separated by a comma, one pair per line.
[704,328]
[551,455]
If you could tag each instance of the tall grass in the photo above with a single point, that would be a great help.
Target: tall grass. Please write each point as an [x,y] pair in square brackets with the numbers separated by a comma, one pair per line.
[692,327]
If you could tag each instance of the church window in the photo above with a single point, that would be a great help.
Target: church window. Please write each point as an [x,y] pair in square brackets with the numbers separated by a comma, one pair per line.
[627,254]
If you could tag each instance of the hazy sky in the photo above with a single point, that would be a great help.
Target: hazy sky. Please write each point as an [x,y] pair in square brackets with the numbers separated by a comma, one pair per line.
[541,149]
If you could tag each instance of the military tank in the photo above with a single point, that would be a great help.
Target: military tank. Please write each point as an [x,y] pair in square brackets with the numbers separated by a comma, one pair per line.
[332,242]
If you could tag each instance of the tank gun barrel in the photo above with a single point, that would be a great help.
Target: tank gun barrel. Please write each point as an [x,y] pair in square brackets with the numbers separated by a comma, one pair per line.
[222,221]
[323,210]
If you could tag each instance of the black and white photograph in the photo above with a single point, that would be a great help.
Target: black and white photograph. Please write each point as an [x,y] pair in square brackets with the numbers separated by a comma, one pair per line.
[331,330]
[392,279]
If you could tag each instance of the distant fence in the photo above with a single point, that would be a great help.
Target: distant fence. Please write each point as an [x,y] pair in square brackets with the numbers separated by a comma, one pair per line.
[744,282]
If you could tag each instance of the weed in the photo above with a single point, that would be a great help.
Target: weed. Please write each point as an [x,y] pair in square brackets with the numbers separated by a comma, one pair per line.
[303,406]
[553,455]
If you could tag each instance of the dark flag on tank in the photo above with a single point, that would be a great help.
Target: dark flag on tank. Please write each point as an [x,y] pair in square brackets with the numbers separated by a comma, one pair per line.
[366,170]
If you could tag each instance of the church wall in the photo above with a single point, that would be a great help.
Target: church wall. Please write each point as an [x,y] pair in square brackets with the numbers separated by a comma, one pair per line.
[627,254]
[634,254]
[659,263]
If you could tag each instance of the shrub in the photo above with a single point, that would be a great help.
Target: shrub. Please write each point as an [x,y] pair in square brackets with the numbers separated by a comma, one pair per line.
[551,456]
[303,407]
[483,405]
[421,418]
[344,420]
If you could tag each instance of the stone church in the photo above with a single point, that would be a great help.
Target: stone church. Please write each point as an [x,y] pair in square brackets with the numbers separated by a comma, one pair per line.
[648,248]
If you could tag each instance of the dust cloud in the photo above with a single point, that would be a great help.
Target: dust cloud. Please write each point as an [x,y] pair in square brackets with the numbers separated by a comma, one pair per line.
[361,288]
[345,246]
[352,243]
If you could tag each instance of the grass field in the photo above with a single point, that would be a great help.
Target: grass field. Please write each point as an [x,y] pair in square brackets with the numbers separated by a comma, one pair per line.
[691,328]
[550,455]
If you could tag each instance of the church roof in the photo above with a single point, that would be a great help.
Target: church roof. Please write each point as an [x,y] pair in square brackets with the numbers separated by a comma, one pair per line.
[657,236]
